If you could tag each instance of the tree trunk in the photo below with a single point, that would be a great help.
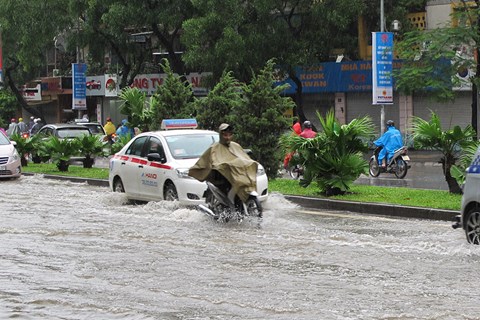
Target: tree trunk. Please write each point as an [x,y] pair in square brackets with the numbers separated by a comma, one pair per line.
[88,162]
[298,97]
[62,165]
[18,94]
[453,186]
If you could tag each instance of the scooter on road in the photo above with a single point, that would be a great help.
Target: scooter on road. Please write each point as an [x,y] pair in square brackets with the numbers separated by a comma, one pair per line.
[224,207]
[398,164]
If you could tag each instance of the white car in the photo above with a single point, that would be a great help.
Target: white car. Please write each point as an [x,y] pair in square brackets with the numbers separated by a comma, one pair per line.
[154,166]
[10,162]
[469,219]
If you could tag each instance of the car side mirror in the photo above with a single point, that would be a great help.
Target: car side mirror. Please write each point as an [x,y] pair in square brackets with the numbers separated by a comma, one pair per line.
[156,157]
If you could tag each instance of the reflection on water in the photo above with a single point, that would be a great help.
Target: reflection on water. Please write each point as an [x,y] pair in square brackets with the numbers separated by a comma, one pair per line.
[72,251]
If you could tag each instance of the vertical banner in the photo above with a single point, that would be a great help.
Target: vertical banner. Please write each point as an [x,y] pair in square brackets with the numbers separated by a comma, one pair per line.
[79,85]
[382,66]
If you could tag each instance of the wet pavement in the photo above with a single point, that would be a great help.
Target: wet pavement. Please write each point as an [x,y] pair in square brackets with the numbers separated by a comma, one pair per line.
[74,251]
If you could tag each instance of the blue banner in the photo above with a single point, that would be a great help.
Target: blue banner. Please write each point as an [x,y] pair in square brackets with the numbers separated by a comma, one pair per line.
[349,76]
[382,63]
[79,86]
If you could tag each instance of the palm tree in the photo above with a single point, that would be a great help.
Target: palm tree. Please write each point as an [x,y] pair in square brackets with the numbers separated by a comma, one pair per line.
[451,143]
[61,150]
[334,158]
[137,107]
[24,146]
[90,146]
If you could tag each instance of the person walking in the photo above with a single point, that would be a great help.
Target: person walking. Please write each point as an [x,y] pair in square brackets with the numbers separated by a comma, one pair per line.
[13,128]
[36,126]
[31,123]
[22,126]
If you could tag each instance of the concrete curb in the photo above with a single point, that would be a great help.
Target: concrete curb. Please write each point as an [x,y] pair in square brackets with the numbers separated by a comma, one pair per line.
[374,208]
[92,182]
[321,203]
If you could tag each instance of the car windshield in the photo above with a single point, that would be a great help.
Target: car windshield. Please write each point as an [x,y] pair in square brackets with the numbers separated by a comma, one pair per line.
[95,128]
[3,139]
[72,132]
[190,146]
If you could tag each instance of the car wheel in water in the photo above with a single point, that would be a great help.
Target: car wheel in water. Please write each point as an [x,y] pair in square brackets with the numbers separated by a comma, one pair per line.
[118,185]
[374,168]
[170,192]
[401,168]
[472,225]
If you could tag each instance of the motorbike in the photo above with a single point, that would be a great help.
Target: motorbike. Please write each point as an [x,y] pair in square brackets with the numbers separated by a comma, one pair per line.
[224,205]
[295,171]
[398,164]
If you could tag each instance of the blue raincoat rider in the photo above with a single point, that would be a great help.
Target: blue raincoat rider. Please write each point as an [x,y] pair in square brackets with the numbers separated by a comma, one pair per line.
[391,140]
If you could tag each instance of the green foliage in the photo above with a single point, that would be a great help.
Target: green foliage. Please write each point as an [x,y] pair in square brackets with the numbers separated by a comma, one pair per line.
[217,106]
[260,120]
[452,143]
[334,158]
[90,146]
[438,199]
[8,107]
[458,170]
[25,146]
[120,142]
[432,58]
[173,99]
[60,150]
[429,134]
[136,107]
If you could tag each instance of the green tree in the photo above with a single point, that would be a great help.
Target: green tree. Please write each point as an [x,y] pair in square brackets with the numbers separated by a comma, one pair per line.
[243,35]
[8,107]
[90,146]
[334,158]
[217,106]
[260,120]
[26,38]
[459,169]
[173,99]
[137,107]
[429,134]
[432,58]
[61,150]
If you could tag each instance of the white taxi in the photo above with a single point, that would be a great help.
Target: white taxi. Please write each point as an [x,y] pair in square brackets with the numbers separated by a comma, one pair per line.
[154,166]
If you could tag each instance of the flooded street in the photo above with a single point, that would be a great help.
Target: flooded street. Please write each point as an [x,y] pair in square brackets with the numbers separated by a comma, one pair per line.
[73,251]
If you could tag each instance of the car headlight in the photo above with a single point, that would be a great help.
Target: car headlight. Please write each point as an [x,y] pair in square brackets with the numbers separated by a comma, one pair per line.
[15,155]
[260,170]
[183,174]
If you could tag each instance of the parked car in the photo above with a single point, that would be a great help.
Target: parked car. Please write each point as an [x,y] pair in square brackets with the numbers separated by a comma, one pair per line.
[136,173]
[94,127]
[64,130]
[10,162]
[469,219]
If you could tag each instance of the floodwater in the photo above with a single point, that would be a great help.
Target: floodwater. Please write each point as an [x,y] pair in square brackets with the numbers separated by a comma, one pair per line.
[73,251]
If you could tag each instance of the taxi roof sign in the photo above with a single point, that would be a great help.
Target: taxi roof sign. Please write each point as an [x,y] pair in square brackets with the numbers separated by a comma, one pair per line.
[168,124]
